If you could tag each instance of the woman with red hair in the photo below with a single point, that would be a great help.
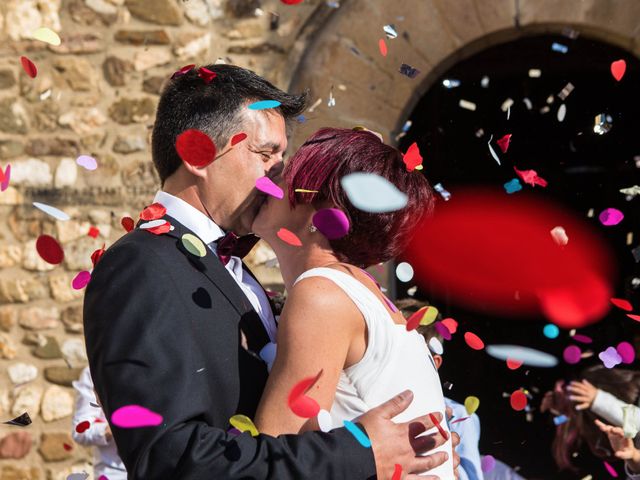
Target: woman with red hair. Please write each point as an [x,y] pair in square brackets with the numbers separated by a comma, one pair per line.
[336,319]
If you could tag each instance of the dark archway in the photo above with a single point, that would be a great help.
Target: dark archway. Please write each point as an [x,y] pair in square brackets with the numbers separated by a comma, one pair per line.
[585,170]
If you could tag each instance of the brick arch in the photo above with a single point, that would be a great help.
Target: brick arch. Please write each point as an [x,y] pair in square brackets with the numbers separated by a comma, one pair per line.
[434,35]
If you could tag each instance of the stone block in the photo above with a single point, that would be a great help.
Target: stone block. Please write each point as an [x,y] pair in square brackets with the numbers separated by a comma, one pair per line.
[56,146]
[14,117]
[164,12]
[130,144]
[20,373]
[32,172]
[66,173]
[129,110]
[14,472]
[143,37]
[74,351]
[7,347]
[52,446]
[202,12]
[75,73]
[8,317]
[63,376]
[61,289]
[7,79]
[150,58]
[57,403]
[116,71]
[190,45]
[27,399]
[10,255]
[48,351]
[39,318]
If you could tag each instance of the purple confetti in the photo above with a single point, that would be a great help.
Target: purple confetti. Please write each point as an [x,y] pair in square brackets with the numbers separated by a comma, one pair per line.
[331,222]
[582,338]
[572,354]
[610,357]
[487,463]
[610,216]
[442,329]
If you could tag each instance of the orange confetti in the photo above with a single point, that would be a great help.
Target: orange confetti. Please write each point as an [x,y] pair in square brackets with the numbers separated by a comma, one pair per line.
[289,237]
[473,341]
[383,47]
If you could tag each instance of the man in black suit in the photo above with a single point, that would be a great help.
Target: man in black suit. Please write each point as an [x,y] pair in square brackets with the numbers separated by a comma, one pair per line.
[180,332]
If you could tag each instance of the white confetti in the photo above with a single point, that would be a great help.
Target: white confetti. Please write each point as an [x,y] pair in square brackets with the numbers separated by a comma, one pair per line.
[435,346]
[53,211]
[372,193]
[535,73]
[467,105]
[325,422]
[153,224]
[404,272]
[492,151]
[559,235]
[562,112]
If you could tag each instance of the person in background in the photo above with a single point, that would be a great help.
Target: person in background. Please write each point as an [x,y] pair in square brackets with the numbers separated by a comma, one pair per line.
[106,461]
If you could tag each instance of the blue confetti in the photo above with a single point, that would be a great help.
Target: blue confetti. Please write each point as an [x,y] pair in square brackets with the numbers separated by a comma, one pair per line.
[359,434]
[558,47]
[513,186]
[301,119]
[264,104]
[551,331]
[560,419]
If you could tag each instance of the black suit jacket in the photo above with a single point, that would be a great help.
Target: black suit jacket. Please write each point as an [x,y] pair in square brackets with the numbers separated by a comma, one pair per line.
[162,330]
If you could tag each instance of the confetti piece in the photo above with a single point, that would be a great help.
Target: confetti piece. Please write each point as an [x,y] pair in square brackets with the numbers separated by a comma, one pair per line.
[331,222]
[83,426]
[206,75]
[467,105]
[46,35]
[127,223]
[442,191]
[525,355]
[513,364]
[627,352]
[441,430]
[289,237]
[443,331]
[29,67]
[325,422]
[81,280]
[299,403]
[559,235]
[157,227]
[484,82]
[610,216]
[531,177]
[67,447]
[154,211]
[303,190]
[49,249]
[634,317]
[535,73]
[237,138]
[622,304]
[20,421]
[93,232]
[424,316]
[504,142]
[372,193]
[559,47]
[382,46]
[435,346]
[87,162]
[195,148]
[551,331]
[4,183]
[404,272]
[513,186]
[244,424]
[397,472]
[412,157]
[560,419]
[610,469]
[194,245]
[602,124]
[409,71]
[618,68]
[471,404]
[97,255]
[487,463]
[358,434]
[135,416]
[473,341]
[582,338]
[266,185]
[264,104]
[183,71]
[492,151]
[572,354]
[450,324]
[390,31]
[291,2]
[53,211]
[562,112]
[450,83]
[610,357]
[518,400]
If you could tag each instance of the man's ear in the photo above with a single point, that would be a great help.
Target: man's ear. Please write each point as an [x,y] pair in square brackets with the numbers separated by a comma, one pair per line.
[200,172]
[437,359]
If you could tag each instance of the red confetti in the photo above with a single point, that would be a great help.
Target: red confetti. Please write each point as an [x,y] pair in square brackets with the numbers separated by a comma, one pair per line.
[2,177]
[29,67]
[67,447]
[299,403]
[618,68]
[237,138]
[383,47]
[206,75]
[473,341]
[518,400]
[49,249]
[291,2]
[451,325]
[622,303]
[154,211]
[442,431]
[531,177]
[93,232]
[397,472]
[127,223]
[99,420]
[195,148]
[460,420]
[412,157]
[414,320]
[513,364]
[634,317]
[503,143]
[4,184]
[183,71]
[289,237]
[97,255]
[160,229]
[83,426]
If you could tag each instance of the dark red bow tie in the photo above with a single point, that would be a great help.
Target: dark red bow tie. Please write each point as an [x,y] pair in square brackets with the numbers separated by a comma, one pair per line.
[231,245]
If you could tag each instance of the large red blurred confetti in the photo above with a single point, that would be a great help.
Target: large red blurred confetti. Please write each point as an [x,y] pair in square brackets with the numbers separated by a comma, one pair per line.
[473,341]
[634,317]
[412,157]
[481,249]
[195,148]
[49,249]
[29,67]
[611,470]
[153,212]
[4,184]
[93,232]
[299,403]
[531,177]
[291,2]
[127,223]
[518,400]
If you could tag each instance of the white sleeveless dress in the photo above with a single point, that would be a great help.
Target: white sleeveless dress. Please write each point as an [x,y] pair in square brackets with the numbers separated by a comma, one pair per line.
[394,360]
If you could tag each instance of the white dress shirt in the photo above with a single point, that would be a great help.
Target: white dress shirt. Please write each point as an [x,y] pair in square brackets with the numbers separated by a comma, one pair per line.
[207,230]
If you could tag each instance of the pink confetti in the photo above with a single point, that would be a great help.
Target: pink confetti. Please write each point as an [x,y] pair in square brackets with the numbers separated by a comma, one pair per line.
[617,70]
[572,354]
[503,143]
[7,176]
[531,177]
[610,217]
[627,352]
[331,222]
[582,338]
[611,470]
[443,331]
[81,280]
[266,185]
[87,162]
[487,463]
[135,416]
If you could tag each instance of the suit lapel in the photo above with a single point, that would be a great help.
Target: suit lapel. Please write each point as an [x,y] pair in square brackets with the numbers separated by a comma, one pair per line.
[271,304]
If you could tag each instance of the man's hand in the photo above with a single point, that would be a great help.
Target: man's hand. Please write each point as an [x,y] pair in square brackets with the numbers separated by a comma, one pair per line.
[15,445]
[583,393]
[455,441]
[399,442]
[623,447]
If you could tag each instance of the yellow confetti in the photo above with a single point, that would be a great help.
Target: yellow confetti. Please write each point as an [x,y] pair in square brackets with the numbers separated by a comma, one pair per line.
[471,404]
[430,315]
[47,35]
[302,190]
[419,167]
[244,424]
[194,245]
